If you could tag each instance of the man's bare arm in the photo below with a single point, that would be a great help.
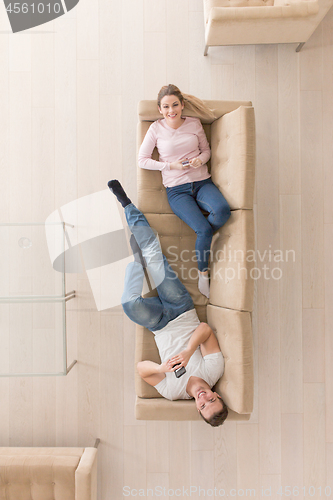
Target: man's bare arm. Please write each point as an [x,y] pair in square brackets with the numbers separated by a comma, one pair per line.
[153,373]
[202,336]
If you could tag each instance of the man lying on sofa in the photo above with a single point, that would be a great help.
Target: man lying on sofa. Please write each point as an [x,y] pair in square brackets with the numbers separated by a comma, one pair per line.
[181,339]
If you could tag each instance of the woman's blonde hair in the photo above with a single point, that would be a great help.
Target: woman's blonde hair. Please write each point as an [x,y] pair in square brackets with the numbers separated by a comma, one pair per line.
[190,101]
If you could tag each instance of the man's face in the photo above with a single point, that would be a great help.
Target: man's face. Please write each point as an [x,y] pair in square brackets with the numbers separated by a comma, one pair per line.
[208,402]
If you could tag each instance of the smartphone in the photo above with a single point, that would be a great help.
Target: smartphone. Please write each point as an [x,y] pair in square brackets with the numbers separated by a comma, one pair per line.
[180,371]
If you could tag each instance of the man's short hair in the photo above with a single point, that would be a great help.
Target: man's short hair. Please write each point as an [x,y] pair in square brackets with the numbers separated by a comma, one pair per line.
[219,417]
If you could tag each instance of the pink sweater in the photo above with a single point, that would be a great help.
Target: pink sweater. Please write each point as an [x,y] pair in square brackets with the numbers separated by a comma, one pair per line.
[187,141]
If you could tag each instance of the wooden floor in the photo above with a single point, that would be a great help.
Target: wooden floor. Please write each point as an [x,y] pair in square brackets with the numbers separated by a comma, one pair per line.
[68,102]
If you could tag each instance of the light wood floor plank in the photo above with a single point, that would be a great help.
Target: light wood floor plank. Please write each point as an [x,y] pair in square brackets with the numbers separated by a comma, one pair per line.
[314,435]
[88,367]
[312,199]
[155,49]
[178,32]
[66,392]
[42,70]
[157,447]
[132,22]
[129,370]
[20,146]
[110,138]
[20,52]
[42,163]
[328,331]
[221,55]
[268,288]
[4,412]
[135,457]
[4,128]
[327,25]
[328,154]
[202,473]
[244,72]
[312,57]
[65,119]
[111,405]
[225,446]
[195,6]
[270,486]
[202,436]
[199,67]
[248,457]
[88,126]
[155,12]
[180,445]
[222,81]
[291,304]
[110,47]
[289,154]
[292,450]
[329,465]
[87,22]
[313,345]
[44,422]
[158,482]
[21,411]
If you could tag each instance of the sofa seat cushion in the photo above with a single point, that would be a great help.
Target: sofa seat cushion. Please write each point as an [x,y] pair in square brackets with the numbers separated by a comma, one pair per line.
[232,261]
[40,476]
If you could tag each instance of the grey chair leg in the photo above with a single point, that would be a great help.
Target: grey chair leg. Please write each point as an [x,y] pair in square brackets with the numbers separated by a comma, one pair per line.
[300,45]
[206,50]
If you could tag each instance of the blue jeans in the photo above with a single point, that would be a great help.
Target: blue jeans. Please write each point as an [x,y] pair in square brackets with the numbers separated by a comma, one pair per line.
[186,201]
[173,299]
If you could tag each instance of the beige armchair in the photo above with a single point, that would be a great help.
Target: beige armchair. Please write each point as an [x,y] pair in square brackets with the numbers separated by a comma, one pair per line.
[40,473]
[245,22]
[232,139]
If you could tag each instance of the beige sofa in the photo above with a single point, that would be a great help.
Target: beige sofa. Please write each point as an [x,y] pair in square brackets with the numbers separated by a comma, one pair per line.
[245,22]
[232,139]
[42,473]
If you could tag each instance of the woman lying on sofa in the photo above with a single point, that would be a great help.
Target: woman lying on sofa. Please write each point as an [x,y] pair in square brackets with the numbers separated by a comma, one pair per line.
[183,154]
[181,339]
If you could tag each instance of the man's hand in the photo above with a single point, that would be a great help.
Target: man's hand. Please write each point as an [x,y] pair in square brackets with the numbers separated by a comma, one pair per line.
[183,358]
[167,366]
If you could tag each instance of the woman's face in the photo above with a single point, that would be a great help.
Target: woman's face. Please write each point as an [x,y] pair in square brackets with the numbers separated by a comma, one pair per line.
[171,109]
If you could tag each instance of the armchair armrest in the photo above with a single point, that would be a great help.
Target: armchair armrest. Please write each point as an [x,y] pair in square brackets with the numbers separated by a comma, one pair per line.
[86,476]
[233,156]
[299,9]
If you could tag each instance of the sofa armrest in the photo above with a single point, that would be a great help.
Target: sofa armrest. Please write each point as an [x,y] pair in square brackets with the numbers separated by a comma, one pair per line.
[233,157]
[180,410]
[86,476]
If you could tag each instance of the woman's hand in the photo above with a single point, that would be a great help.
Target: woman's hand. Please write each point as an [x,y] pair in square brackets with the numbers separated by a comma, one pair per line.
[167,366]
[182,358]
[195,162]
[177,165]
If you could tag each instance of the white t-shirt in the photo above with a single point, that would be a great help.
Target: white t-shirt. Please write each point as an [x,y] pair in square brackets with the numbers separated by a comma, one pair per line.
[171,340]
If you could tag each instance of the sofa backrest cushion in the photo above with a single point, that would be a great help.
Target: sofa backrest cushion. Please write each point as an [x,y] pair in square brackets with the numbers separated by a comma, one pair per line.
[209,4]
[26,476]
[234,334]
